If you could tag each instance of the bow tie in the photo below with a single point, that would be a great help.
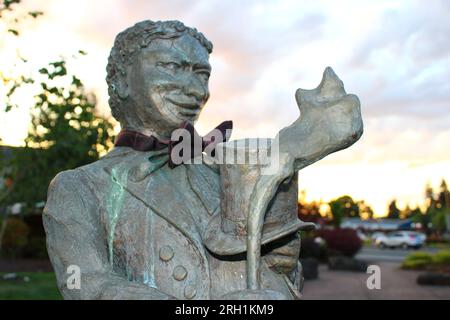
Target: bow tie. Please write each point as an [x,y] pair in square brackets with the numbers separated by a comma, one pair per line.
[141,142]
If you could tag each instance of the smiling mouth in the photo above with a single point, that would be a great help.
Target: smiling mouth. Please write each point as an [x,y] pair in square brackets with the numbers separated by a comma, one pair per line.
[187,108]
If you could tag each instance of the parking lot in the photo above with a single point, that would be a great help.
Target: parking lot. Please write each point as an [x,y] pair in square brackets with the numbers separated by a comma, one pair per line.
[395,283]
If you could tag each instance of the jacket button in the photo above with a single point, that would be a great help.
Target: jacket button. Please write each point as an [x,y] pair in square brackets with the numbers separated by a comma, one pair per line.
[166,253]
[179,273]
[190,292]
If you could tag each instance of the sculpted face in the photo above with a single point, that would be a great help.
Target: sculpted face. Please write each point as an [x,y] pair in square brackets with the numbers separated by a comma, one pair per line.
[168,84]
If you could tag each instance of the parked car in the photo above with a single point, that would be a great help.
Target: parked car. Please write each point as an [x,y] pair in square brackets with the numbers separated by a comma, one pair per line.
[403,239]
[376,235]
[361,235]
[421,235]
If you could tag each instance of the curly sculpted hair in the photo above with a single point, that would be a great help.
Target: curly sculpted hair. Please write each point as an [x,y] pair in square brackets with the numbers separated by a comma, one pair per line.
[128,44]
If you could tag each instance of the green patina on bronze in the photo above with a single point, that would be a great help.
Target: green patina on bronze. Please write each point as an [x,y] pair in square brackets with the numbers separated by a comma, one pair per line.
[114,205]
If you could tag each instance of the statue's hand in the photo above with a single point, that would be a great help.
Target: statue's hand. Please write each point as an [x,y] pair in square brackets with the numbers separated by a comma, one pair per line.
[330,120]
[282,255]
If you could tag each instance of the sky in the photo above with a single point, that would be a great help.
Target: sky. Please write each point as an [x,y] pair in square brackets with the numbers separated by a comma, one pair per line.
[395,55]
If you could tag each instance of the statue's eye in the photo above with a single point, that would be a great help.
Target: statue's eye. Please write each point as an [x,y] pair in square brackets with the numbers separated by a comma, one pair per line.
[169,65]
[173,66]
[204,75]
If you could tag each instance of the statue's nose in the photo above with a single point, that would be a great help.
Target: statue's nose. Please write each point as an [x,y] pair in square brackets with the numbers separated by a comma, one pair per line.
[195,88]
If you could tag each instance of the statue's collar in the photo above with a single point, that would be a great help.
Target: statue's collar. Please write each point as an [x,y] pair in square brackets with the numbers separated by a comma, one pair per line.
[138,164]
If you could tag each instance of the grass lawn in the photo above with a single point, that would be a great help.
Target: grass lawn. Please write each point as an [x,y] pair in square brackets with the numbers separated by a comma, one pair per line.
[41,286]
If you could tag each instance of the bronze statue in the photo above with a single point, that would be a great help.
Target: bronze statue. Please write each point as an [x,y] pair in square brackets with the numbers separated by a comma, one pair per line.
[140,224]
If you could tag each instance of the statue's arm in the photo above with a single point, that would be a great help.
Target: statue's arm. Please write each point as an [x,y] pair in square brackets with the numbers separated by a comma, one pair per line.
[75,237]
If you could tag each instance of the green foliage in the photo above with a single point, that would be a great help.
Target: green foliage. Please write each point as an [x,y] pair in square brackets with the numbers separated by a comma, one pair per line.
[14,32]
[66,132]
[419,256]
[35,14]
[417,261]
[438,219]
[437,212]
[442,257]
[15,237]
[36,248]
[64,119]
[6,4]
[393,211]
[424,260]
[365,210]
[7,11]
[444,195]
[343,207]
[12,84]
[12,19]
[415,264]
[416,216]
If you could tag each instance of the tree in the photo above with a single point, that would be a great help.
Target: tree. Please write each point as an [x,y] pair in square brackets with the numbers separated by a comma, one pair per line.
[437,208]
[417,216]
[393,211]
[443,198]
[439,219]
[440,214]
[11,19]
[406,213]
[429,196]
[343,207]
[365,210]
[66,132]
[309,211]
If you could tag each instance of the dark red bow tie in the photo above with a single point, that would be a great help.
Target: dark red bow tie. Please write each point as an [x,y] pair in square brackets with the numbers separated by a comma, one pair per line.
[141,142]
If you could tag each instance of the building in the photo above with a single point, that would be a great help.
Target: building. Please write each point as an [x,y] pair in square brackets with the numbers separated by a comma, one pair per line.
[372,225]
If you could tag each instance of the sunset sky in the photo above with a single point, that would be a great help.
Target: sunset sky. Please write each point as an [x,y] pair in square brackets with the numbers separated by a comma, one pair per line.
[395,55]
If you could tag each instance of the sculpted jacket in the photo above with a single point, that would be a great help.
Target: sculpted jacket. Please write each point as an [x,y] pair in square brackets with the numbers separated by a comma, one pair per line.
[134,228]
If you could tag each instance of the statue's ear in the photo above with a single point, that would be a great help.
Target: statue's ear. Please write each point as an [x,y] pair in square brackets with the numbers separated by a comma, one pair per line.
[121,88]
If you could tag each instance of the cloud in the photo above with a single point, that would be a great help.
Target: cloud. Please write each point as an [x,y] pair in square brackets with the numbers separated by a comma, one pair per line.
[403,64]
[394,54]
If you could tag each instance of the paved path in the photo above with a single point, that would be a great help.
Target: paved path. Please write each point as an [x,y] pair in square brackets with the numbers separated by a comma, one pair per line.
[395,284]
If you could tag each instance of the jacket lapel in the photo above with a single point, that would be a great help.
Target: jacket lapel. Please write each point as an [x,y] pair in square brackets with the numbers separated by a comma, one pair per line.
[156,188]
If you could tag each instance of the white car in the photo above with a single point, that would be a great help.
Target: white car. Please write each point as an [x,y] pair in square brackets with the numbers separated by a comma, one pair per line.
[376,235]
[404,239]
[361,235]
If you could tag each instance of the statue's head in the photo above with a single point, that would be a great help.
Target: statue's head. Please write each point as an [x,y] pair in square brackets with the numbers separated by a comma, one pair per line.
[158,75]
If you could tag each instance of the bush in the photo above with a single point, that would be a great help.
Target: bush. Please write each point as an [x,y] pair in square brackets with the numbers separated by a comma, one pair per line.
[342,241]
[442,258]
[420,256]
[311,249]
[417,261]
[423,260]
[36,248]
[15,237]
[434,279]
